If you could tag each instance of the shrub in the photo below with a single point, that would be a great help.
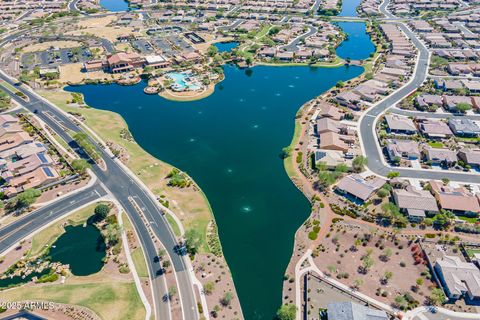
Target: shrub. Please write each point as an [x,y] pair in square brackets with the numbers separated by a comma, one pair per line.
[51,277]
[124,269]
[312,235]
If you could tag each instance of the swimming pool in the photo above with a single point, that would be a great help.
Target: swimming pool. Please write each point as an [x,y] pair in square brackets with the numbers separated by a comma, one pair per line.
[183,81]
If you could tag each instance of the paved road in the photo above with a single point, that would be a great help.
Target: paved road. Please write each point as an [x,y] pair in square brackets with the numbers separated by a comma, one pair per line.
[72,5]
[369,139]
[293,46]
[119,183]
[24,226]
[431,115]
[383,9]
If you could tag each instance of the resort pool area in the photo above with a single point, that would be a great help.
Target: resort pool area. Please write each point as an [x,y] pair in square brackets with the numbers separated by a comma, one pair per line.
[183,81]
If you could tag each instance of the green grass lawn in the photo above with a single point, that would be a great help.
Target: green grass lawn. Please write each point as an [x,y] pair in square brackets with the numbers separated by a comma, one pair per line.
[468,219]
[289,162]
[471,252]
[435,144]
[110,300]
[139,262]
[137,254]
[9,86]
[173,224]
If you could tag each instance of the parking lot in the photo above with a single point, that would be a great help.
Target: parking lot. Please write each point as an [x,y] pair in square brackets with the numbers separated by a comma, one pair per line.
[164,46]
[52,57]
[142,45]
[181,44]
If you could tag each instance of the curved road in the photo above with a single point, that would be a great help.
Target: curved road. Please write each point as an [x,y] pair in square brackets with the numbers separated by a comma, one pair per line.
[121,185]
[293,46]
[25,225]
[368,120]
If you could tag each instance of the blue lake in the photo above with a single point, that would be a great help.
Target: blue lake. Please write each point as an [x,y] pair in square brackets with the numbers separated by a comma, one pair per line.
[349,8]
[230,143]
[114,5]
[358,45]
[226,46]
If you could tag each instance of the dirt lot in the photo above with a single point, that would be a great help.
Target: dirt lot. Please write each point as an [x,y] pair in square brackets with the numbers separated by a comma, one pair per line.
[343,255]
[213,270]
[96,22]
[109,33]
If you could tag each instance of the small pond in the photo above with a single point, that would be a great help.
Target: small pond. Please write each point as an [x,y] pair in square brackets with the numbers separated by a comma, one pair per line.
[114,5]
[19,280]
[83,248]
[226,46]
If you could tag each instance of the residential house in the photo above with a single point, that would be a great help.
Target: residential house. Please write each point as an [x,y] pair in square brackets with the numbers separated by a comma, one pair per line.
[429,101]
[407,149]
[349,99]
[470,157]
[457,200]
[14,140]
[416,203]
[353,311]
[440,156]
[358,187]
[332,141]
[36,178]
[451,102]
[328,125]
[458,278]
[329,111]
[464,127]
[435,129]
[400,124]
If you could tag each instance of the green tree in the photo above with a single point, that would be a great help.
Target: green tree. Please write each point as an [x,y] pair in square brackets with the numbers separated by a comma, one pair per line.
[462,107]
[112,234]
[393,174]
[419,281]
[101,212]
[80,165]
[390,209]
[166,264]
[193,241]
[359,163]
[386,277]
[226,300]
[161,253]
[208,288]
[437,297]
[23,200]
[341,168]
[287,311]
[401,302]
[171,292]
[382,193]
[212,50]
[367,262]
